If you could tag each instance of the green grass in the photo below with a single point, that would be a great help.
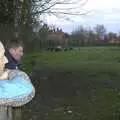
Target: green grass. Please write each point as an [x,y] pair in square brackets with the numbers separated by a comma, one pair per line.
[85,73]
[101,59]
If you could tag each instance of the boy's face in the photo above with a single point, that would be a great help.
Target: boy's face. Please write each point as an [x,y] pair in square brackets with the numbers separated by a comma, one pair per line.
[17,53]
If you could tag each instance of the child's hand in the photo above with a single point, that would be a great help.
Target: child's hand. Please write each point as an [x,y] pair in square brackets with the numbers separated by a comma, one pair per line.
[4,76]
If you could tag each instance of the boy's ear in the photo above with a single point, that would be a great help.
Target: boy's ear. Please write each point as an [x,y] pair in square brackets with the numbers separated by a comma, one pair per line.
[12,51]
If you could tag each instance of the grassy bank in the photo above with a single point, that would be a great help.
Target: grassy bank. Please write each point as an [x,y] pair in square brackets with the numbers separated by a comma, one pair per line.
[84,81]
[88,59]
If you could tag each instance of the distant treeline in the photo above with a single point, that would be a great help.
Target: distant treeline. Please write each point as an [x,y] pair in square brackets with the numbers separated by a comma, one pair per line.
[45,36]
[51,37]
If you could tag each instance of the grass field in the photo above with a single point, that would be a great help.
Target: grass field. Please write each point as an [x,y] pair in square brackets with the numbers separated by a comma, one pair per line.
[88,59]
[85,81]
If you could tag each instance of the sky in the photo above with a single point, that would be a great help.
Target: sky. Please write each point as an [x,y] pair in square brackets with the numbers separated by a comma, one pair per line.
[106,12]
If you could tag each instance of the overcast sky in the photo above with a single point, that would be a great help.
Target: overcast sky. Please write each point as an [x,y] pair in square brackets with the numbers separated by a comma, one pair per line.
[105,12]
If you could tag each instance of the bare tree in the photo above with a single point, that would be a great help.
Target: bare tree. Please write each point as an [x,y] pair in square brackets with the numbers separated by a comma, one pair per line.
[59,8]
[28,11]
[100,30]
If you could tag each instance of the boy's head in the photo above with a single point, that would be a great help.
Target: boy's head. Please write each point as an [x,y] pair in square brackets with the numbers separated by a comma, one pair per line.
[15,48]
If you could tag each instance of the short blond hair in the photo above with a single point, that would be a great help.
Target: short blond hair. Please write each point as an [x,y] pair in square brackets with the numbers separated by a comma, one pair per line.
[14,44]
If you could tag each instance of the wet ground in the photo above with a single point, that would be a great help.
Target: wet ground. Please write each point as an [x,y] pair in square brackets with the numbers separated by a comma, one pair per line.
[68,95]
